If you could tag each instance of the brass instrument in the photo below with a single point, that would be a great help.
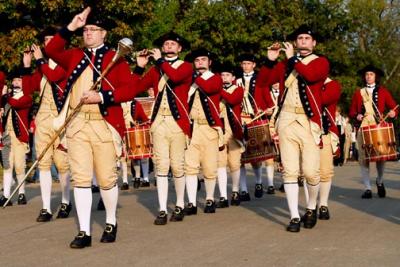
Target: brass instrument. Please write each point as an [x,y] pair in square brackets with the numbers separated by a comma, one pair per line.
[124,47]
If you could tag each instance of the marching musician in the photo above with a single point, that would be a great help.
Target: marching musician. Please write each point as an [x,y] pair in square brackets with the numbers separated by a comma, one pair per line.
[301,78]
[367,107]
[94,135]
[207,134]
[267,96]
[231,100]
[330,143]
[15,137]
[134,114]
[170,78]
[49,79]
[250,108]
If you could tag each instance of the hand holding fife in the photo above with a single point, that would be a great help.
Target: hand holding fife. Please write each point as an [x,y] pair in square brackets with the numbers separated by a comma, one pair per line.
[91,97]
[37,52]
[79,20]
[27,58]
[142,58]
[156,53]
[360,117]
[289,49]
[273,51]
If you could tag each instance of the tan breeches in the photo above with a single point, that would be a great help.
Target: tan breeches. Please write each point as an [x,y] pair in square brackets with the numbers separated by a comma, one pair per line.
[297,147]
[43,134]
[91,149]
[169,144]
[230,156]
[326,164]
[202,152]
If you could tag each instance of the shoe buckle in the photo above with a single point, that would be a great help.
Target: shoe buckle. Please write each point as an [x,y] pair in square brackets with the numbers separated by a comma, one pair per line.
[209,203]
[108,229]
[81,234]
[177,210]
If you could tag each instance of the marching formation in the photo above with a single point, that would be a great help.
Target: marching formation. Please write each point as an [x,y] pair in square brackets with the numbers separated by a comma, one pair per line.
[188,118]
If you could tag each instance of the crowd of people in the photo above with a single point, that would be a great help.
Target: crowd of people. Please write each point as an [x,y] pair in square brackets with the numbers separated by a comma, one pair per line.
[206,120]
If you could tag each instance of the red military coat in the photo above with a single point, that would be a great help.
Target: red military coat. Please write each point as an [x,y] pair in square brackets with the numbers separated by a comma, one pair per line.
[57,77]
[382,98]
[233,103]
[119,86]
[20,112]
[211,89]
[137,112]
[330,97]
[310,76]
[179,81]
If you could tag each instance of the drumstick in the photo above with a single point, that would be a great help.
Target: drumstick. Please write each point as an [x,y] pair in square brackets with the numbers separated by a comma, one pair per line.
[257,117]
[384,119]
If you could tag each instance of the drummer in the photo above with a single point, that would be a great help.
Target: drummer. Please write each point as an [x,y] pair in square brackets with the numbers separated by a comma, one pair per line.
[368,106]
[134,114]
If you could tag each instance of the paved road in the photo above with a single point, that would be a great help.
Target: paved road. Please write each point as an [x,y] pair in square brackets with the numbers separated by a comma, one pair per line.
[360,232]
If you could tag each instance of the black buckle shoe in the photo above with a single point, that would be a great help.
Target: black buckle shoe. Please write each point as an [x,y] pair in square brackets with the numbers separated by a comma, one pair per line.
[222,203]
[64,210]
[124,187]
[44,216]
[235,199]
[190,209]
[81,240]
[282,188]
[367,194]
[161,219]
[244,196]
[95,189]
[258,191]
[136,183]
[323,213]
[22,199]
[210,206]
[100,205]
[145,184]
[310,218]
[294,225]
[3,201]
[177,215]
[109,234]
[381,190]
[270,190]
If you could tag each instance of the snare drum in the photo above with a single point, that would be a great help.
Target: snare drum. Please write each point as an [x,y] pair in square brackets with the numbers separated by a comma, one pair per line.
[379,142]
[258,142]
[138,142]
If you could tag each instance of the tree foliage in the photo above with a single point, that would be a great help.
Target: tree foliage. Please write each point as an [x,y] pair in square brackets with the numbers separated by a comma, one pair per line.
[356,32]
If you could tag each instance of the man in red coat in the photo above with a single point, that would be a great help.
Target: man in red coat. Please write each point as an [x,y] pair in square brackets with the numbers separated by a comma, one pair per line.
[15,137]
[134,114]
[94,135]
[367,107]
[330,141]
[170,126]
[251,106]
[299,124]
[207,135]
[231,100]
[49,80]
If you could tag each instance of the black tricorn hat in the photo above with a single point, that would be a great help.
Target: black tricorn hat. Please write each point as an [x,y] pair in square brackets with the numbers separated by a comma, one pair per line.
[226,67]
[304,29]
[100,20]
[173,36]
[247,57]
[17,72]
[373,69]
[48,31]
[200,52]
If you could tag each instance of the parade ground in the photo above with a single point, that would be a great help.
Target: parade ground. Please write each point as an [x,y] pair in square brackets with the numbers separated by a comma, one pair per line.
[361,232]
